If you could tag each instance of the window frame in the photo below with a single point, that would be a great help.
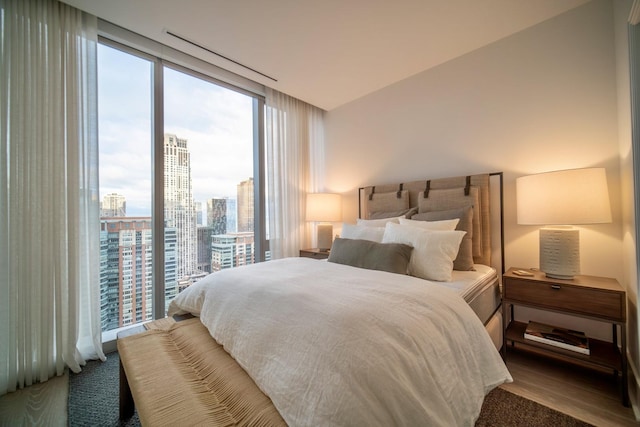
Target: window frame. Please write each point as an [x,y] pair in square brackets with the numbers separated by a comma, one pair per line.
[162,56]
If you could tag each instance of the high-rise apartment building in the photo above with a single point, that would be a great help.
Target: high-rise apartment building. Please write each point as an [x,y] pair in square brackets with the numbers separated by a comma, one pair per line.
[232,250]
[170,265]
[113,205]
[199,217]
[179,208]
[245,206]
[217,215]
[204,249]
[126,270]
[232,216]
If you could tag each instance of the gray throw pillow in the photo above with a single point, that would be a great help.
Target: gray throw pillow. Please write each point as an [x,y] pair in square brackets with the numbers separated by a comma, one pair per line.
[391,257]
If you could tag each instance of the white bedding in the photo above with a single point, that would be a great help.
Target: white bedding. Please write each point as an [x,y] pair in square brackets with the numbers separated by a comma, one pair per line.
[337,345]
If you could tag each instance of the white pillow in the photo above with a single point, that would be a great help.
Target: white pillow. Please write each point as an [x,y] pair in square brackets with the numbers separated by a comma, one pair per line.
[378,222]
[433,250]
[350,231]
[444,225]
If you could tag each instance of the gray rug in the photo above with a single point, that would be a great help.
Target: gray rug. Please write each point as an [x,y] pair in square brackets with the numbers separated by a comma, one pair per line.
[93,401]
[93,395]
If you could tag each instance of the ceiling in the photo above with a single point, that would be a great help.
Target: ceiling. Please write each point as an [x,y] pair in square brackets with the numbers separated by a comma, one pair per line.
[327,52]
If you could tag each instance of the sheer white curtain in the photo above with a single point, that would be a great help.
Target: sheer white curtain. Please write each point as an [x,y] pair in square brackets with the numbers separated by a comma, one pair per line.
[295,160]
[49,208]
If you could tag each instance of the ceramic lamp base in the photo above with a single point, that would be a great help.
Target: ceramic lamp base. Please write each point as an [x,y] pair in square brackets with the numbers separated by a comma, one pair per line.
[325,236]
[560,252]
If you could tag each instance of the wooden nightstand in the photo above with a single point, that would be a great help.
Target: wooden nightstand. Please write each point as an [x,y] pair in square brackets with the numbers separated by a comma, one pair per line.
[591,297]
[314,253]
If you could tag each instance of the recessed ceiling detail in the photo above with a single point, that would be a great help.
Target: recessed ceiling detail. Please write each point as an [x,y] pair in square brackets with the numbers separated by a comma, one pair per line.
[328,52]
[198,45]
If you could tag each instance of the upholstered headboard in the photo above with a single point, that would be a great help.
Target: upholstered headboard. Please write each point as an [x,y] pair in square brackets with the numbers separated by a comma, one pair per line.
[429,196]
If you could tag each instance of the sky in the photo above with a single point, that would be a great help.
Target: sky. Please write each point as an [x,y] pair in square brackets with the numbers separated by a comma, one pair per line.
[217,123]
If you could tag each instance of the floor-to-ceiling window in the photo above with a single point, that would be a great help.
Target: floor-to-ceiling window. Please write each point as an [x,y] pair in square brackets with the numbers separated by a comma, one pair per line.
[125,141]
[206,172]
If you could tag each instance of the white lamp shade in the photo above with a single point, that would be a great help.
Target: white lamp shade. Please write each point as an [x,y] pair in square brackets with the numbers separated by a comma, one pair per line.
[568,197]
[562,198]
[324,207]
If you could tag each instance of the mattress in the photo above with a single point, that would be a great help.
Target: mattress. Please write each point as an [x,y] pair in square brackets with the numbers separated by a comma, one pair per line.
[480,289]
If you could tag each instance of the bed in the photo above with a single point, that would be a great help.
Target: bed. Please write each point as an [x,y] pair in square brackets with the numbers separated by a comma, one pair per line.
[353,340]
[482,246]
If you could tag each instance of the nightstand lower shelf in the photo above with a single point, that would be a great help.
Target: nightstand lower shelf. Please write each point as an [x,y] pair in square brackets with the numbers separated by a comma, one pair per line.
[603,354]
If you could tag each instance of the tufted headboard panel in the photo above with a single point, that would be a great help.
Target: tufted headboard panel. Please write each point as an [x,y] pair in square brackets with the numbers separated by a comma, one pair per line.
[441,194]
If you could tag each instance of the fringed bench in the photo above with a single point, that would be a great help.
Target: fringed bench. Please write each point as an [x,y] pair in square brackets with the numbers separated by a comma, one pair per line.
[177,374]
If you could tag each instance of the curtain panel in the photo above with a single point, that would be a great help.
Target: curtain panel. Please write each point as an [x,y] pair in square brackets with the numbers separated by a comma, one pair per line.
[295,159]
[49,202]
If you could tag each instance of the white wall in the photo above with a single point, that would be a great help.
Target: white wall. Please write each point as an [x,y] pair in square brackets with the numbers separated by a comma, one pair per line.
[543,99]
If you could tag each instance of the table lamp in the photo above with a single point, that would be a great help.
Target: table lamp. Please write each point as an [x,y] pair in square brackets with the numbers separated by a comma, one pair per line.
[324,208]
[558,200]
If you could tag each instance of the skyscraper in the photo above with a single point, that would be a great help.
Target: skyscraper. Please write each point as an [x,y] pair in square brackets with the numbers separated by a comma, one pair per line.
[198,208]
[217,215]
[179,207]
[170,265]
[204,249]
[231,250]
[126,270]
[113,205]
[232,216]
[245,206]
[126,257]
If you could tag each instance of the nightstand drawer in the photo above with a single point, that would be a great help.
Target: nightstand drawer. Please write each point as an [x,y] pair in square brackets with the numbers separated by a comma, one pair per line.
[591,297]
[567,298]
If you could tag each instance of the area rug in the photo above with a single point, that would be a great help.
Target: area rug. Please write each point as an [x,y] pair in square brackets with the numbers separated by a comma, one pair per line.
[503,408]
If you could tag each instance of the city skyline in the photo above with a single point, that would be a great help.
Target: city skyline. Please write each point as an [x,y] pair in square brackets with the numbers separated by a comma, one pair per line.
[207,154]
[216,122]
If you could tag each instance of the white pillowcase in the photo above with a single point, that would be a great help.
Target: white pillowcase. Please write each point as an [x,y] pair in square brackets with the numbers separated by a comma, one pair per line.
[444,225]
[433,250]
[363,232]
[378,222]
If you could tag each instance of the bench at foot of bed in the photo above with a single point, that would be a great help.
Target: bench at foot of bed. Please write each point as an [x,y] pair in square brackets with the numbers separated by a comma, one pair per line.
[178,375]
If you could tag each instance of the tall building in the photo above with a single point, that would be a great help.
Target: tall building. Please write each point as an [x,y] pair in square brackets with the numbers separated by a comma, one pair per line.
[170,265]
[232,250]
[126,270]
[179,208]
[204,249]
[126,286]
[113,205]
[199,218]
[217,215]
[232,216]
[245,206]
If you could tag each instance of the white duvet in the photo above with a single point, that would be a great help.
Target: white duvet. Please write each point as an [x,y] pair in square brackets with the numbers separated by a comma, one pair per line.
[337,345]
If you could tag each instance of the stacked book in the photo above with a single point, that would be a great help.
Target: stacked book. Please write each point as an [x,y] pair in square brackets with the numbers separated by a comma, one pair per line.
[559,337]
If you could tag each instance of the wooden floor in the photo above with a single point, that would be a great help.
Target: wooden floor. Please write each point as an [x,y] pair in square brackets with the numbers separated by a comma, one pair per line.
[41,404]
[585,394]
